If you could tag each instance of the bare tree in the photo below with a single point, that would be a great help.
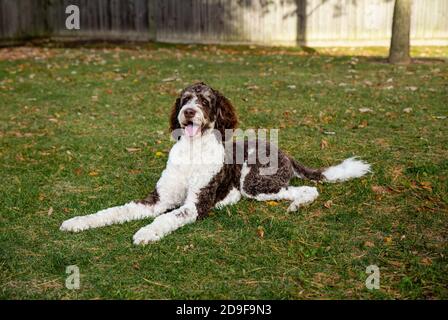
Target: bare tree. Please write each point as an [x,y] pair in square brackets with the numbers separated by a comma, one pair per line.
[401,28]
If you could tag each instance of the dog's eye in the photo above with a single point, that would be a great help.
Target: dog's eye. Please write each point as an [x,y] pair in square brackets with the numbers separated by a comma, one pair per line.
[186,99]
[203,101]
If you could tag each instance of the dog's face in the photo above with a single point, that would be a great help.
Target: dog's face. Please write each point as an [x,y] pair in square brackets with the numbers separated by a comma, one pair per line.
[200,108]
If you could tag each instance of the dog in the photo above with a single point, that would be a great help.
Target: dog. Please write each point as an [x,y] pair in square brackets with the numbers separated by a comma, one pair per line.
[203,171]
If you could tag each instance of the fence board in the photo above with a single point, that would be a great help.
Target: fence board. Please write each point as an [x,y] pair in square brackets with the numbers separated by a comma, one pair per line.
[269,22]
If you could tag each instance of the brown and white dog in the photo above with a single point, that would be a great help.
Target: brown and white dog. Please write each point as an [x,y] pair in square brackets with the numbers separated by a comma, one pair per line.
[206,169]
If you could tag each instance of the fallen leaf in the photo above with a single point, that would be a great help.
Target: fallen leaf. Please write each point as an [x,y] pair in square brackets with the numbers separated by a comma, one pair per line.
[369,244]
[388,240]
[93,173]
[253,87]
[380,189]
[396,263]
[426,185]
[365,110]
[169,79]
[396,173]
[324,144]
[159,154]
[50,211]
[427,261]
[407,110]
[272,203]
[132,149]
[260,232]
[328,204]
[363,124]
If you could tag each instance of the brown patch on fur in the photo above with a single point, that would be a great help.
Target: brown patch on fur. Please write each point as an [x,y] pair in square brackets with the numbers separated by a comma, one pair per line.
[255,183]
[151,199]
[174,123]
[305,172]
[218,188]
[225,114]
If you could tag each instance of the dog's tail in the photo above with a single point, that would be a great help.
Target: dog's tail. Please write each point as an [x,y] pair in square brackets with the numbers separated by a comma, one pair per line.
[350,168]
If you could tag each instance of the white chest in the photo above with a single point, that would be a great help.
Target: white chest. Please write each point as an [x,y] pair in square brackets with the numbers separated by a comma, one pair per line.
[194,162]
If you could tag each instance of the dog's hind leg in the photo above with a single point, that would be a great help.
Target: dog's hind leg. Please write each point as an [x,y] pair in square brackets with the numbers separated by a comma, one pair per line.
[298,195]
[275,187]
[232,197]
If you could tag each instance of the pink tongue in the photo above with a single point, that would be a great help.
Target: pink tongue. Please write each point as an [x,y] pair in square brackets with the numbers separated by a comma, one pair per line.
[191,130]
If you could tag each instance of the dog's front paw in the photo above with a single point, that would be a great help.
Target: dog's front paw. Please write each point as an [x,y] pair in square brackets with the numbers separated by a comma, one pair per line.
[145,236]
[75,224]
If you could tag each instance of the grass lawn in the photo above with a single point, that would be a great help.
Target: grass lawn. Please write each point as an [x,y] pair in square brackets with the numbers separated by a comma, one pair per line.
[85,129]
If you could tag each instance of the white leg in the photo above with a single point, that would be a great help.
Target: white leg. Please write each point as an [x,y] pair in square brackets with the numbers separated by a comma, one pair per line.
[165,224]
[232,197]
[298,195]
[114,215]
[168,195]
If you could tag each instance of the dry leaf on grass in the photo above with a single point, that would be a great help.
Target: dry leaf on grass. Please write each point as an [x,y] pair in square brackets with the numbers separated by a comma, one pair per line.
[260,232]
[426,185]
[396,173]
[328,204]
[363,124]
[169,79]
[380,189]
[369,244]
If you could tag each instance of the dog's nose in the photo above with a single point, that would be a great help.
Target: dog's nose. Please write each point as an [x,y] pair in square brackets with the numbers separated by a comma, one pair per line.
[189,113]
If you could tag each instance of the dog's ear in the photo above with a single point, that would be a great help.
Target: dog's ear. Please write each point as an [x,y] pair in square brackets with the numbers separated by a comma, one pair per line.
[225,114]
[174,123]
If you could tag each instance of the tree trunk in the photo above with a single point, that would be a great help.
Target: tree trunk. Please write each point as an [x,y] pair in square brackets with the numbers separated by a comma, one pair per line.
[401,28]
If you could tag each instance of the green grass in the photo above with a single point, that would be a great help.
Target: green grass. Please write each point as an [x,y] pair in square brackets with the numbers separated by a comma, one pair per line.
[69,116]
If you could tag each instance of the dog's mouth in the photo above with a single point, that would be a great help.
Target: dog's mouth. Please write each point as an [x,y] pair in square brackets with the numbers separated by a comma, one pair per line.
[191,128]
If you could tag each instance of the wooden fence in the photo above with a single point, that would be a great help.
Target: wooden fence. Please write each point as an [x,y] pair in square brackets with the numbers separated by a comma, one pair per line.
[268,22]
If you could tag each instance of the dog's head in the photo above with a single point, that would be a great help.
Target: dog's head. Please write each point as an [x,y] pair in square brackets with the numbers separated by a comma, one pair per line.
[200,108]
